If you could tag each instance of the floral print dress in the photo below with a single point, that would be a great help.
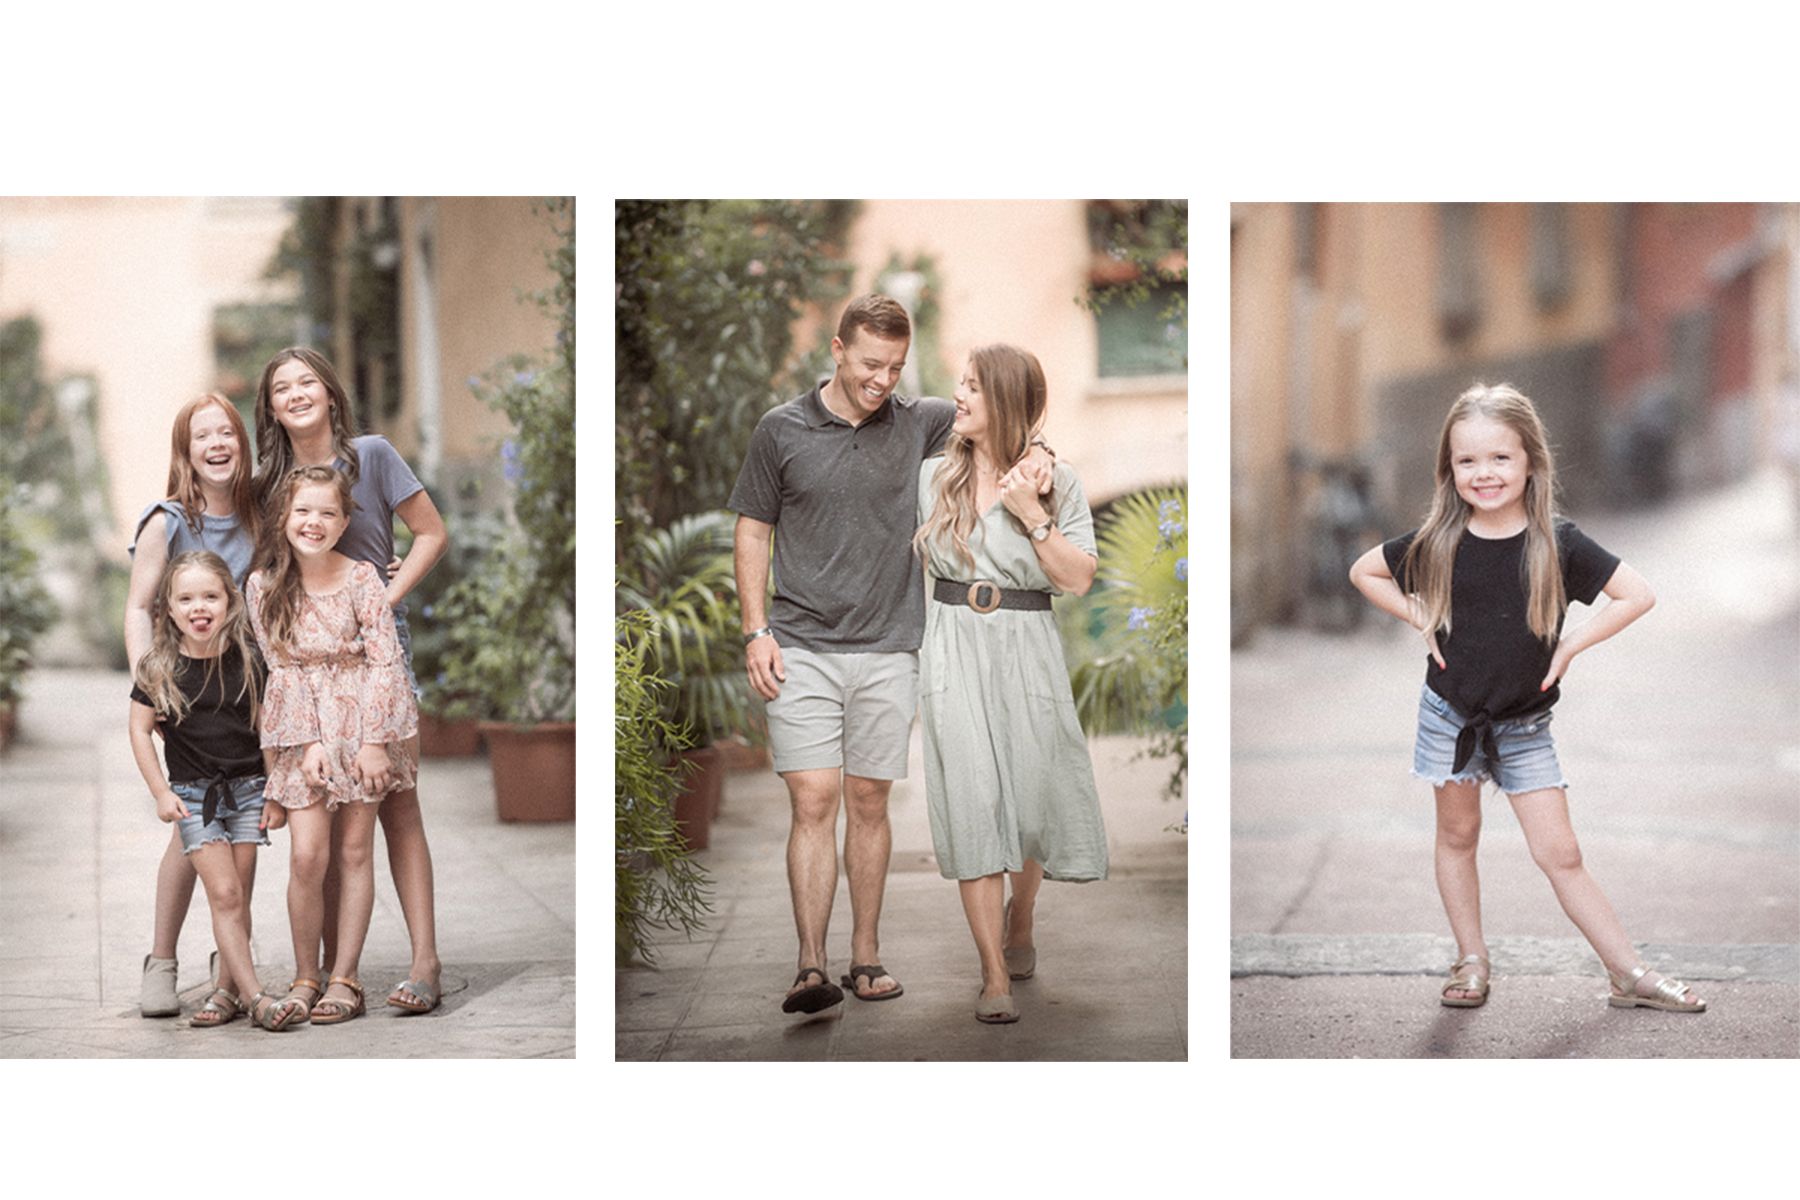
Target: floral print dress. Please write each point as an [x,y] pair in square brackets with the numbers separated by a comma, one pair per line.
[341,681]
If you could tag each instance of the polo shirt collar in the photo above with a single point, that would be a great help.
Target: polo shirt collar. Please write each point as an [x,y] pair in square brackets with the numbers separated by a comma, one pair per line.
[818,416]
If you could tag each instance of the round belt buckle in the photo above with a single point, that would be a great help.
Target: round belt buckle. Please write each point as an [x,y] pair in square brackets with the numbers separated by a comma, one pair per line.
[975,590]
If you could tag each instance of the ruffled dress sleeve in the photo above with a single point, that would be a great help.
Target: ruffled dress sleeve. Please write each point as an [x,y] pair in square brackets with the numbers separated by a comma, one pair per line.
[290,712]
[389,711]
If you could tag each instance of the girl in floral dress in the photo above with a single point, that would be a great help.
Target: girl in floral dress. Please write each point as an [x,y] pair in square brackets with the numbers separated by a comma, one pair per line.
[336,717]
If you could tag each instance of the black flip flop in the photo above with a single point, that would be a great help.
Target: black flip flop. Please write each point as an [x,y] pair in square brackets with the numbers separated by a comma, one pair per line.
[871,972]
[818,997]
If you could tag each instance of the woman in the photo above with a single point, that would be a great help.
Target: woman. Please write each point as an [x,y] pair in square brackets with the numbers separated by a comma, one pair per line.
[303,419]
[1008,780]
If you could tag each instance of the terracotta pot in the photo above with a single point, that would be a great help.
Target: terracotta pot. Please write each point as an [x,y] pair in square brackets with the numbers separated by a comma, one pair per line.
[698,799]
[439,738]
[534,770]
[740,755]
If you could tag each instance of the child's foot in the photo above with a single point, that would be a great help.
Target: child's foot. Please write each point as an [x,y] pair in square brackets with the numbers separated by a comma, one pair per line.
[1468,986]
[420,990]
[1644,988]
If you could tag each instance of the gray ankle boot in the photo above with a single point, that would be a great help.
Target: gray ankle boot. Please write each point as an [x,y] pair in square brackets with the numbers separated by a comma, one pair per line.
[157,997]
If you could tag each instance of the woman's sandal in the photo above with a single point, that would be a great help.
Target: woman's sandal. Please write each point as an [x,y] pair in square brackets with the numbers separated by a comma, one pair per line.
[1670,995]
[1464,980]
[424,996]
[212,1014]
[340,1010]
[291,1009]
[1021,962]
[996,1010]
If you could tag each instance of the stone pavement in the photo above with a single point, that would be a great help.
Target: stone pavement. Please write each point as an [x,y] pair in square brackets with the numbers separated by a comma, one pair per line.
[79,847]
[1112,955]
[1679,739]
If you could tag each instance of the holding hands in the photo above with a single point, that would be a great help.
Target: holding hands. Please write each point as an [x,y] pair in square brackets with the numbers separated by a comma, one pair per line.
[1020,489]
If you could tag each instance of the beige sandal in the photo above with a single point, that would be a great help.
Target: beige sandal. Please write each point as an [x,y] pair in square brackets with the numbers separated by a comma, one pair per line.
[1670,995]
[335,1010]
[212,1014]
[1464,980]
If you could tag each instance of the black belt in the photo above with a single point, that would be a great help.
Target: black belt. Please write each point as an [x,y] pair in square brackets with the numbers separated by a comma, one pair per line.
[985,597]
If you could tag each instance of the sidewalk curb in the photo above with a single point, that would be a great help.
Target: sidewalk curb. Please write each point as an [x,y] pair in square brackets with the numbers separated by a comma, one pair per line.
[1299,955]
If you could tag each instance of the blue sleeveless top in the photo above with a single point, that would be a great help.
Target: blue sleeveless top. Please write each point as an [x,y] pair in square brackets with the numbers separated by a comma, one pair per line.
[224,536]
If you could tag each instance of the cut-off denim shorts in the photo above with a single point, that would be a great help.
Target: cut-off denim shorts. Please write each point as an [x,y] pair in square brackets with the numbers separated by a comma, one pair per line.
[236,821]
[1527,753]
[405,634]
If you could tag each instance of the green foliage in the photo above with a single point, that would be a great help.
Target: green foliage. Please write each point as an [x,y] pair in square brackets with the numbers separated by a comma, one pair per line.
[246,336]
[1142,245]
[681,580]
[655,884]
[707,293]
[509,643]
[306,254]
[26,609]
[1128,643]
[431,624]
[936,378]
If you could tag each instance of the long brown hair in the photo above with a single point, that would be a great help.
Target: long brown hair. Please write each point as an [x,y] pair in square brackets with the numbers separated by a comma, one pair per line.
[1012,382]
[274,450]
[1431,558]
[184,484]
[282,586]
[156,672]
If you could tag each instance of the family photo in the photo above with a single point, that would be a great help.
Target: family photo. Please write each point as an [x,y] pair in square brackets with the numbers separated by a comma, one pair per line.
[1515,491]
[902,573]
[289,552]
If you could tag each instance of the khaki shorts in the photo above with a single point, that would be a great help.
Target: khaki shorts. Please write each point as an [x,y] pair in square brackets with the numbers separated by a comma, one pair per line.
[853,711]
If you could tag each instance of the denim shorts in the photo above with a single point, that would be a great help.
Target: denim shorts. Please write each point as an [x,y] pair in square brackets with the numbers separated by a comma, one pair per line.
[236,821]
[853,711]
[1527,752]
[406,649]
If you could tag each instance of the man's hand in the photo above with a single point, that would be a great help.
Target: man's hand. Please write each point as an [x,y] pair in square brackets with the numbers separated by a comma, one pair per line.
[763,663]
[1043,466]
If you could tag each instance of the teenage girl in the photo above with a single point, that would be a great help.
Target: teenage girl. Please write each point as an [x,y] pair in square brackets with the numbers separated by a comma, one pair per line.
[207,506]
[199,681]
[336,721]
[1486,581]
[303,418]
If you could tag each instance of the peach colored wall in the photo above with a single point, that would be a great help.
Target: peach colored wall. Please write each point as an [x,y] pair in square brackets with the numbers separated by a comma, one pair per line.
[1010,272]
[125,290]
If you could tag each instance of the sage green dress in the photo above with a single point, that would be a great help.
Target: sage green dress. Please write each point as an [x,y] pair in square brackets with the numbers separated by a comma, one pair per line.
[1007,772]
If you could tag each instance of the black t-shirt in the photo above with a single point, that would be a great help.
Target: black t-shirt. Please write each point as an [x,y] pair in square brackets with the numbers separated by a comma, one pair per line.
[216,737]
[1493,662]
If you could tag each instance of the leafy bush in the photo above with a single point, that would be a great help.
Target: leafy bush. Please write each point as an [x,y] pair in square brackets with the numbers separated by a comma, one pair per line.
[26,609]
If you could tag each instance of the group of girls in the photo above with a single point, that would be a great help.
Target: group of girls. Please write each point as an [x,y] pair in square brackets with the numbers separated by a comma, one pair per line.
[270,653]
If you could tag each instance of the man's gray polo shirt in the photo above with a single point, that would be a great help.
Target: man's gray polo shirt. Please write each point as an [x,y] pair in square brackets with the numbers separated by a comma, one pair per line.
[843,501]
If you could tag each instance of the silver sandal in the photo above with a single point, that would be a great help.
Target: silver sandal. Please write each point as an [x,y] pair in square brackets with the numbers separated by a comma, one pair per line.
[1464,980]
[1670,995]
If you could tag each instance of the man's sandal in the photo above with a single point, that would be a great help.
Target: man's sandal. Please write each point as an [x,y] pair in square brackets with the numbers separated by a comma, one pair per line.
[212,1014]
[1670,995]
[871,972]
[424,996]
[1463,979]
[818,997]
[335,1010]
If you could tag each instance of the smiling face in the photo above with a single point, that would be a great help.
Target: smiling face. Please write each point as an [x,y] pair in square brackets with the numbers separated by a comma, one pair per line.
[315,520]
[198,601]
[868,369]
[1489,466]
[299,398]
[971,406]
[214,450]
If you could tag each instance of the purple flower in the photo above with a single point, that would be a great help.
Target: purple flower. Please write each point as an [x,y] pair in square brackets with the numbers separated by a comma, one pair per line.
[426,611]
[474,383]
[509,461]
[1181,569]
[523,378]
[1139,618]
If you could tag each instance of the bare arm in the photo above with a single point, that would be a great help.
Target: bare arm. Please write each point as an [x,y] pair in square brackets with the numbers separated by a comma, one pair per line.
[142,721]
[1628,598]
[430,540]
[1068,567]
[147,563]
[750,562]
[1370,575]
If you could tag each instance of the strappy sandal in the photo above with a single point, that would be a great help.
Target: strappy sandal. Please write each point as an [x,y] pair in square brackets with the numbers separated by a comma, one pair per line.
[871,972]
[1670,995]
[1464,980]
[339,1010]
[996,1010]
[291,1010]
[817,998]
[212,1014]
[427,996]
[267,1017]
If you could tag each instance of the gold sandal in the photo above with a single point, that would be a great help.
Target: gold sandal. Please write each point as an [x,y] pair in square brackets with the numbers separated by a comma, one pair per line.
[212,1014]
[334,1010]
[1463,980]
[1670,995]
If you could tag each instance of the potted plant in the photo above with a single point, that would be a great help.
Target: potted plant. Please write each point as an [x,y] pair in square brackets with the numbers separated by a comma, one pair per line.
[681,579]
[26,610]
[509,647]
[448,716]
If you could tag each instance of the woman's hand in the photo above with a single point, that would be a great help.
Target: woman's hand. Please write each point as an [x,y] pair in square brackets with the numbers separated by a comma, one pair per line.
[374,769]
[170,808]
[315,765]
[1019,489]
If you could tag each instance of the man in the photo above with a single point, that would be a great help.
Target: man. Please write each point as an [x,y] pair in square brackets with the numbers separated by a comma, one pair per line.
[836,472]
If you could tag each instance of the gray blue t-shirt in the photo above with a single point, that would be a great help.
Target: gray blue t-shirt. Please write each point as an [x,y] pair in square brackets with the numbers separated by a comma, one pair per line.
[224,536]
[385,483]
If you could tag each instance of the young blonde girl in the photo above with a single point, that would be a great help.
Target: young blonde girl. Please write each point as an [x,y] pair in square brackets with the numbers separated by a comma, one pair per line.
[199,680]
[336,719]
[206,505]
[1487,580]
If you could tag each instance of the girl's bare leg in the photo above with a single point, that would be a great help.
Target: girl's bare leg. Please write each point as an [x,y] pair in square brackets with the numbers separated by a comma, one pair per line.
[1022,912]
[1458,835]
[1544,816]
[983,904]
[216,864]
[354,848]
[409,860]
[174,892]
[309,833]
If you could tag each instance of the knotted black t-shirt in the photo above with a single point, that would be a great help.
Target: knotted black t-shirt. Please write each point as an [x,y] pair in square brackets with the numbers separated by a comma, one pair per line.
[1493,663]
[216,738]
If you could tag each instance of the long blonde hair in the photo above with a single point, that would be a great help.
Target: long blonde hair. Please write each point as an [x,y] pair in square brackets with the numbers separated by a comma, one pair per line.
[1431,558]
[157,671]
[1012,382]
[282,586]
[184,485]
